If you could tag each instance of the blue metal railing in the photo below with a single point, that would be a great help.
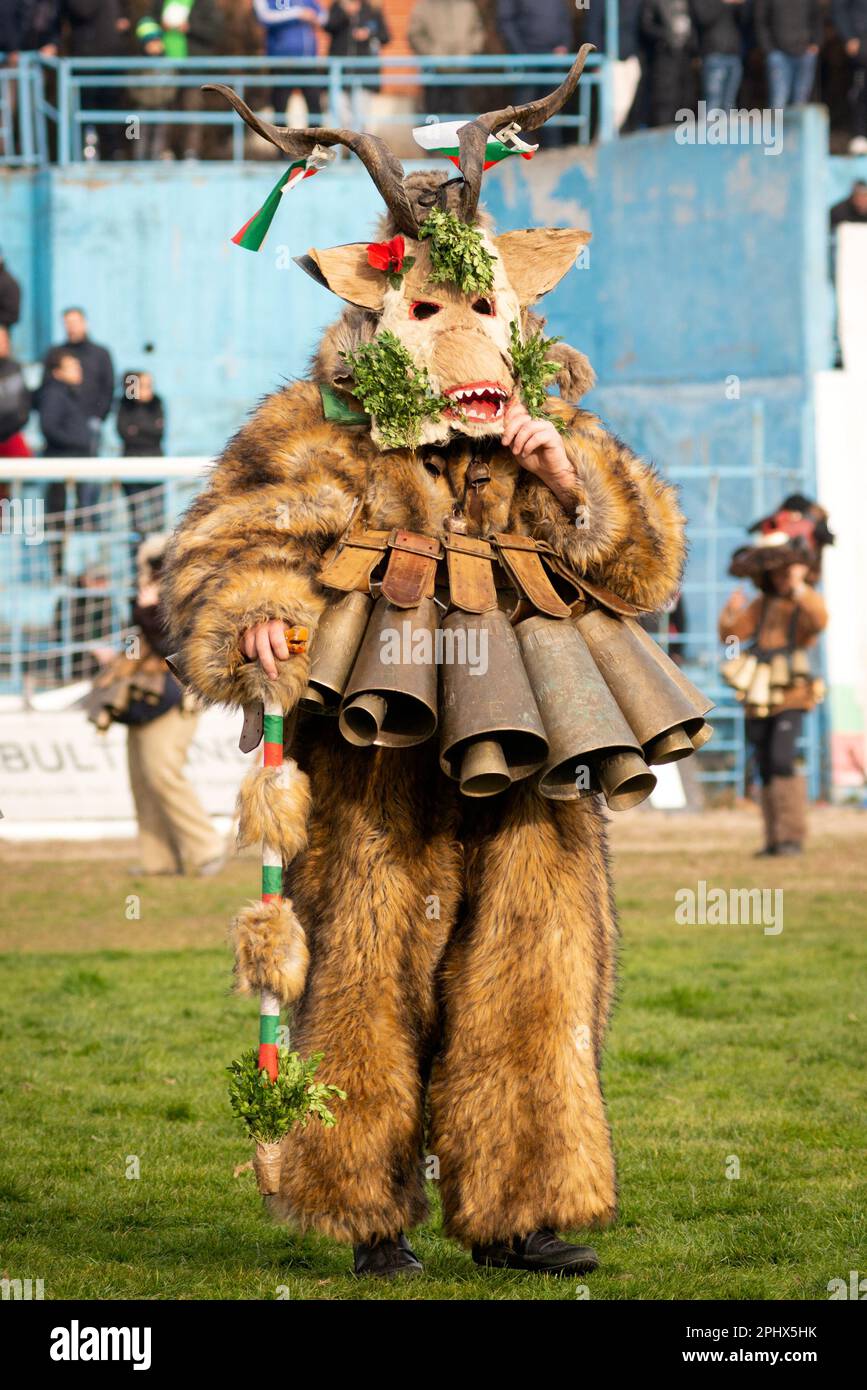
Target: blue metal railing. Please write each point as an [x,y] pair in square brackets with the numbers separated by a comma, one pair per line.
[57,99]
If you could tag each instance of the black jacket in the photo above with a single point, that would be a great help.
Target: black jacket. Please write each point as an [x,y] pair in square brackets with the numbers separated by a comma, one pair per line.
[38,23]
[15,402]
[790,26]
[93,31]
[846,211]
[534,26]
[140,425]
[668,24]
[64,420]
[10,298]
[629,28]
[97,388]
[720,27]
[340,25]
[850,19]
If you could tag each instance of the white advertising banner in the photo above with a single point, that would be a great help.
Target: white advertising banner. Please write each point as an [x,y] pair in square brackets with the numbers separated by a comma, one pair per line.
[56,768]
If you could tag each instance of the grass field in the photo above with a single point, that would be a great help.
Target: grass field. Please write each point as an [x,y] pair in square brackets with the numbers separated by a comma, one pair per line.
[728,1044]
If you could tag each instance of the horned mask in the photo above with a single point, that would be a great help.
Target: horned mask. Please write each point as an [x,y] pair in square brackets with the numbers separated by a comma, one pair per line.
[444,302]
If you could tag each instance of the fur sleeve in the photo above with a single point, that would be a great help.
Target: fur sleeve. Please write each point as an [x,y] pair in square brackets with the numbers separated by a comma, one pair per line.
[626,530]
[251,544]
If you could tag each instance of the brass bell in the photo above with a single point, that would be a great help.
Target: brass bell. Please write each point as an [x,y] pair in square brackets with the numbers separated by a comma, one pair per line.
[781,675]
[625,780]
[739,672]
[697,697]
[701,736]
[491,731]
[661,715]
[583,723]
[391,695]
[333,651]
[759,693]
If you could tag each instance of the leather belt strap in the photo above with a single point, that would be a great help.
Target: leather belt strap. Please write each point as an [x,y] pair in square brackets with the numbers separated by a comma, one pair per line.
[471,576]
[519,556]
[412,566]
[612,603]
[353,563]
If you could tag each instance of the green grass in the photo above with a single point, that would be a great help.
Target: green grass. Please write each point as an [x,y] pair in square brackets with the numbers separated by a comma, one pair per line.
[725,1043]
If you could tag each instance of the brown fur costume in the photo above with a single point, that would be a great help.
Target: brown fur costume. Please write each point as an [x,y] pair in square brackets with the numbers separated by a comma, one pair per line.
[462,952]
[468,945]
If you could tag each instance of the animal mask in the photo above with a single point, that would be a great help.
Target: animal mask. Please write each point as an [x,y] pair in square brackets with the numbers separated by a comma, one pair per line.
[448,300]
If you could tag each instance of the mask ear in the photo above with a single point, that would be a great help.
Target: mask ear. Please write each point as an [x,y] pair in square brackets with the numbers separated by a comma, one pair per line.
[537,258]
[346,272]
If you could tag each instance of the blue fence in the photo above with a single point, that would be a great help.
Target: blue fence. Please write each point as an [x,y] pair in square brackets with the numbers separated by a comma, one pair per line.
[48,104]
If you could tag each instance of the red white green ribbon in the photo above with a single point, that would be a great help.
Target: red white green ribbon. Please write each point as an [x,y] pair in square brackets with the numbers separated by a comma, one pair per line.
[253,232]
[442,137]
[272,891]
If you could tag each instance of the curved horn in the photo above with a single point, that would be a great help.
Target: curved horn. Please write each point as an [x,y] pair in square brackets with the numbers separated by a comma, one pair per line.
[384,167]
[473,137]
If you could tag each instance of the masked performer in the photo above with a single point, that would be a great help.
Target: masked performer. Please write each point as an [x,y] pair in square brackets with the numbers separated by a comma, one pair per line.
[773,678]
[426,511]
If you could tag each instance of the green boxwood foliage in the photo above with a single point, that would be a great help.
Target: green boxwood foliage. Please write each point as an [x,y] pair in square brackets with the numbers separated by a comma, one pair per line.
[533,370]
[458,253]
[394,390]
[268,1108]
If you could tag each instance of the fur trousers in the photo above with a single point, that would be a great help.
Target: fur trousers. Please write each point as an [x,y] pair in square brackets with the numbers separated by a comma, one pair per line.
[461,976]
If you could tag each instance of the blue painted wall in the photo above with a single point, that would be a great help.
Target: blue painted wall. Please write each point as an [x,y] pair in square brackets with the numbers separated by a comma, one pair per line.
[700,267]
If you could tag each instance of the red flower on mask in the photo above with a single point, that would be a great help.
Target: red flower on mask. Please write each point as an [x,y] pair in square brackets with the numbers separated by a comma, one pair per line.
[390,257]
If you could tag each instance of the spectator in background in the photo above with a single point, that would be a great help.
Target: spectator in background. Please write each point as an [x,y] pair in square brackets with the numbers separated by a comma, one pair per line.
[28,26]
[720,25]
[290,32]
[141,424]
[86,615]
[140,417]
[15,402]
[88,392]
[850,19]
[178,29]
[447,28]
[356,29]
[536,26]
[97,386]
[628,70]
[853,208]
[176,834]
[65,423]
[670,34]
[789,33]
[99,29]
[10,297]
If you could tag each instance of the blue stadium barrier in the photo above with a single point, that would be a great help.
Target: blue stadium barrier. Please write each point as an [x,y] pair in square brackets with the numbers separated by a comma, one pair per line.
[60,98]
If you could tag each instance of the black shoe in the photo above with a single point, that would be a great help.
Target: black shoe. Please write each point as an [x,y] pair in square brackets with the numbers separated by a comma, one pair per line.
[768,852]
[387,1259]
[788,848]
[541,1251]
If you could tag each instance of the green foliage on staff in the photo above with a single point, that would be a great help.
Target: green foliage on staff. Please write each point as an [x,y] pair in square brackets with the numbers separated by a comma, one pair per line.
[458,253]
[533,370]
[392,388]
[269,1109]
